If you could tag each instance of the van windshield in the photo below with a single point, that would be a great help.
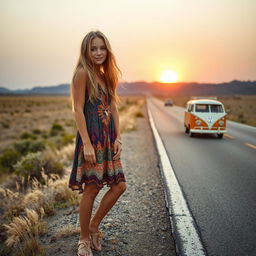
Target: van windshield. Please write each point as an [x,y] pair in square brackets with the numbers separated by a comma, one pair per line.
[202,108]
[214,108]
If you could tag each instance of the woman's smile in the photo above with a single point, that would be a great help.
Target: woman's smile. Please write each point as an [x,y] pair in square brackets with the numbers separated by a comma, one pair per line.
[98,51]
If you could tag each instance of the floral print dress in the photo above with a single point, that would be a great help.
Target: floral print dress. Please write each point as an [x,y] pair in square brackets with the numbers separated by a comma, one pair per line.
[102,134]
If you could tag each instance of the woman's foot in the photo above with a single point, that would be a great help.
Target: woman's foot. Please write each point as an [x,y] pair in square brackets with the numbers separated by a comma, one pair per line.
[84,248]
[96,237]
[96,240]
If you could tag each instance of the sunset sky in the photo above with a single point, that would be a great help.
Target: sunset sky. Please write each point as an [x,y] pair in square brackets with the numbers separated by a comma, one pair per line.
[201,40]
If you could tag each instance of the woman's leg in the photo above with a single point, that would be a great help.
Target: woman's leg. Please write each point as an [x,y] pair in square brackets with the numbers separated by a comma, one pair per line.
[85,209]
[107,202]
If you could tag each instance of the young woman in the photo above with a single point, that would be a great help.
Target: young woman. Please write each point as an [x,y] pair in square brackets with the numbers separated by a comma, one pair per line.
[98,141]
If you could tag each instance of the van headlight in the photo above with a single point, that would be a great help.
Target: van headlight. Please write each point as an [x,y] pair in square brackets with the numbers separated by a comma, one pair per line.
[198,122]
[221,123]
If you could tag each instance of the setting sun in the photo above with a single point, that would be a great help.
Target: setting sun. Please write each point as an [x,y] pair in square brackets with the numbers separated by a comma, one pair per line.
[169,76]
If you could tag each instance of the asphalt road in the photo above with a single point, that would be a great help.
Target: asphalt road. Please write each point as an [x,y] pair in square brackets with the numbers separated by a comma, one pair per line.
[217,177]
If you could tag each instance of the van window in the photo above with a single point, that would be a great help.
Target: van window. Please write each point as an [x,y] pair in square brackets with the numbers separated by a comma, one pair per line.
[202,108]
[216,108]
[190,107]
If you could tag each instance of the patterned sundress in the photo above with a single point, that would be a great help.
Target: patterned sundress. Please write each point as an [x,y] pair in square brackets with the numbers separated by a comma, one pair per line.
[102,134]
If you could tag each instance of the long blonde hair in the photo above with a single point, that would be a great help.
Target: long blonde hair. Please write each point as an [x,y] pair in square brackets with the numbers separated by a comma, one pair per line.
[108,68]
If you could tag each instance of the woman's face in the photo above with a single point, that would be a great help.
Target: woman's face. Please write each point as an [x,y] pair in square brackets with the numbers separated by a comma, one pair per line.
[98,51]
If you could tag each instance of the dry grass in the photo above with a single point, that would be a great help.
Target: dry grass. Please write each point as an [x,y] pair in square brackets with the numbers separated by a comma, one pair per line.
[23,233]
[129,111]
[68,230]
[240,108]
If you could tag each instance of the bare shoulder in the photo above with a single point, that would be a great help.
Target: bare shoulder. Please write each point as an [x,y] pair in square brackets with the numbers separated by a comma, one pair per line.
[80,74]
[80,79]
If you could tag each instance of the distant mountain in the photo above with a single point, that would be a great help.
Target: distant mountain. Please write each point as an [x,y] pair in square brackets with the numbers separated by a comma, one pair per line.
[155,88]
[61,89]
[188,89]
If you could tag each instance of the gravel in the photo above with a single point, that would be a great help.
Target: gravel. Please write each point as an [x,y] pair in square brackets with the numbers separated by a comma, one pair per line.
[138,224]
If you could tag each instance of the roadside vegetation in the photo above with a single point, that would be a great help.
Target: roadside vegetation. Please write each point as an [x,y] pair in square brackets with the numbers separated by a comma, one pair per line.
[38,135]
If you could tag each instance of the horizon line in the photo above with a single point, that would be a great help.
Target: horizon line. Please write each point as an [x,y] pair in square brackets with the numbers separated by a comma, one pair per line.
[140,81]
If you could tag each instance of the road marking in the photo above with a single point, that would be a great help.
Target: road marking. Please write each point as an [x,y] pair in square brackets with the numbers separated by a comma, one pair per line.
[229,136]
[187,239]
[250,145]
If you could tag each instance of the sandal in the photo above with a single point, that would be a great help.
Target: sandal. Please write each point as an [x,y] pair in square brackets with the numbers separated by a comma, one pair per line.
[84,248]
[96,240]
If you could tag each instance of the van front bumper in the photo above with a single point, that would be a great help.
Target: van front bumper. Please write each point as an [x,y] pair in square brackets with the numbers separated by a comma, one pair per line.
[204,130]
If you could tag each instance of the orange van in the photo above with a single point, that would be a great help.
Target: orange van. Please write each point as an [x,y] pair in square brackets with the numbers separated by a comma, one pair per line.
[205,115]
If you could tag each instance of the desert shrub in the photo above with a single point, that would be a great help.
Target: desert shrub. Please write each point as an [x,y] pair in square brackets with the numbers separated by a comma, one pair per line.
[56,129]
[8,158]
[33,163]
[139,114]
[25,146]
[22,146]
[5,125]
[36,146]
[36,131]
[66,139]
[27,135]
[29,165]
[44,134]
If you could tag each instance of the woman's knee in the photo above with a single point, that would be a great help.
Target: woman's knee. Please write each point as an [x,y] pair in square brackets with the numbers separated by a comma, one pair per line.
[91,190]
[120,187]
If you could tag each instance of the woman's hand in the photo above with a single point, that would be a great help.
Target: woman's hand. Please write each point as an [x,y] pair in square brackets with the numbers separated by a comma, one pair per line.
[89,153]
[117,150]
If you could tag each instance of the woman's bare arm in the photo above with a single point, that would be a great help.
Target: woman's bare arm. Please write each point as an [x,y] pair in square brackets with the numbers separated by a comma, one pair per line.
[79,87]
[115,115]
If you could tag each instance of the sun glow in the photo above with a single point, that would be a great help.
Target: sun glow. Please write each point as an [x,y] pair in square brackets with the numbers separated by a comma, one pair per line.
[169,76]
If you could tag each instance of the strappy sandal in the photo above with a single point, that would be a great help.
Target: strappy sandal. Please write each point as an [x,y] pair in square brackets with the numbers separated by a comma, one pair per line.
[84,248]
[96,237]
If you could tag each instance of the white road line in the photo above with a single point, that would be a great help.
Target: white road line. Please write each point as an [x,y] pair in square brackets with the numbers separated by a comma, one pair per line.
[187,239]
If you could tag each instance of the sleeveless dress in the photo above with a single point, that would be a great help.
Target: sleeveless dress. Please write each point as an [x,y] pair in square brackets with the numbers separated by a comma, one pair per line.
[102,134]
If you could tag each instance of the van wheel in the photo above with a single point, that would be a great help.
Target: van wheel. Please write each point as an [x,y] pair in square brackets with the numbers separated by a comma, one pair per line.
[191,134]
[186,129]
[220,136]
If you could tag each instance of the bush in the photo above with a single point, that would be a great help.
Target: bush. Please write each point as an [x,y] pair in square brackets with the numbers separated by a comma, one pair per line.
[44,134]
[8,159]
[25,146]
[27,135]
[36,146]
[5,125]
[66,139]
[56,128]
[36,131]
[139,114]
[29,165]
[22,146]
[33,164]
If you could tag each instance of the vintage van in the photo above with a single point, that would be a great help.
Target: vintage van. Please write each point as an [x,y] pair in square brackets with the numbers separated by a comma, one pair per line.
[205,115]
